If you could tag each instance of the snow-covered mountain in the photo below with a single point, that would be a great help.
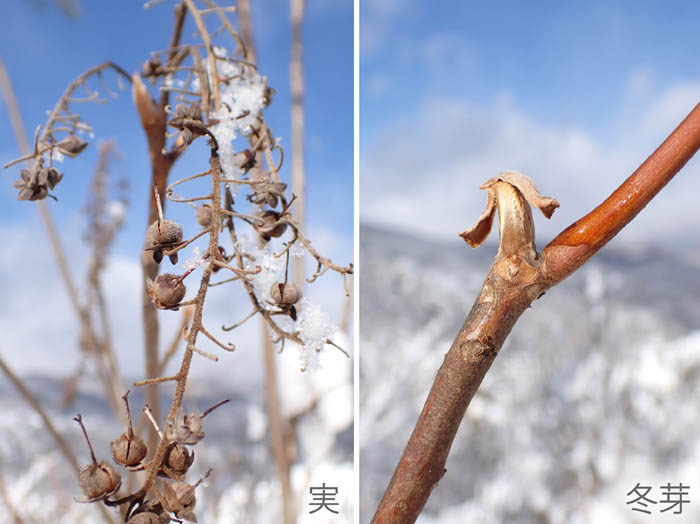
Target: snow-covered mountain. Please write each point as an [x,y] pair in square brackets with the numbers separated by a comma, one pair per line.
[595,390]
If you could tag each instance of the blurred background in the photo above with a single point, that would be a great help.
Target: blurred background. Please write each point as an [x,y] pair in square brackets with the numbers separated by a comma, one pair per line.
[45,45]
[596,388]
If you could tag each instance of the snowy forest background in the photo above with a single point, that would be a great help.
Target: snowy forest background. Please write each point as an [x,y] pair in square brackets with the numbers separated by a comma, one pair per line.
[243,486]
[595,390]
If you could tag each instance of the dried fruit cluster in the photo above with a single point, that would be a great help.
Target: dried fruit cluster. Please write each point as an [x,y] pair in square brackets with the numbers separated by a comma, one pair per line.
[167,499]
[219,98]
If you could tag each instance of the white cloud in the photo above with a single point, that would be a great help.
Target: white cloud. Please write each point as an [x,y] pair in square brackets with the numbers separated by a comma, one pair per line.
[446,52]
[376,20]
[671,107]
[640,82]
[424,173]
[377,84]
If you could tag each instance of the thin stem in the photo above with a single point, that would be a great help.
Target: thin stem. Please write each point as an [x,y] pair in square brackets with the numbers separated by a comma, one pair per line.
[211,57]
[5,497]
[149,415]
[79,419]
[218,404]
[296,80]
[157,380]
[240,323]
[29,397]
[159,207]
[60,441]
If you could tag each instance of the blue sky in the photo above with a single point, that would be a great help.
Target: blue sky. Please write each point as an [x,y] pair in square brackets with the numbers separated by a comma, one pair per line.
[574,94]
[43,51]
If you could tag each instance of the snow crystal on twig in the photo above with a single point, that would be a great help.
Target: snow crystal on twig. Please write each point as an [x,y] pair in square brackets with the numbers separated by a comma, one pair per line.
[195,261]
[313,327]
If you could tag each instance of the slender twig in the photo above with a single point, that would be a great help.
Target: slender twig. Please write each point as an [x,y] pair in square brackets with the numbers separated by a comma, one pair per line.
[211,57]
[109,380]
[58,438]
[241,322]
[512,284]
[5,497]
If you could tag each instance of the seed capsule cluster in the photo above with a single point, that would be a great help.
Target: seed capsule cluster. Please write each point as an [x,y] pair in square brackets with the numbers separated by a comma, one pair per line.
[169,498]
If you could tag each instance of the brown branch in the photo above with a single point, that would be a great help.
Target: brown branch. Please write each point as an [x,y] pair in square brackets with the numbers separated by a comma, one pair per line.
[181,377]
[513,282]
[110,381]
[582,239]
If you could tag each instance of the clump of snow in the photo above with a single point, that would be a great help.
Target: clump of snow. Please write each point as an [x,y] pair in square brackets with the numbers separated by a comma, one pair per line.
[257,423]
[195,261]
[297,250]
[242,100]
[116,210]
[314,327]
[271,270]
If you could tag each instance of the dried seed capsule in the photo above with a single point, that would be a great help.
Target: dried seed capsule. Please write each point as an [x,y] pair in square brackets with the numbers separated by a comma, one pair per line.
[128,451]
[148,517]
[161,235]
[72,145]
[180,499]
[165,232]
[98,481]
[186,136]
[203,215]
[35,184]
[177,459]
[53,177]
[185,429]
[167,291]
[245,160]
[285,294]
[152,67]
[272,227]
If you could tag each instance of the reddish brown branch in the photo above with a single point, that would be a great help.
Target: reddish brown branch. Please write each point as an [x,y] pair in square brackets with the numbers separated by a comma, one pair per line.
[512,284]
[582,239]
